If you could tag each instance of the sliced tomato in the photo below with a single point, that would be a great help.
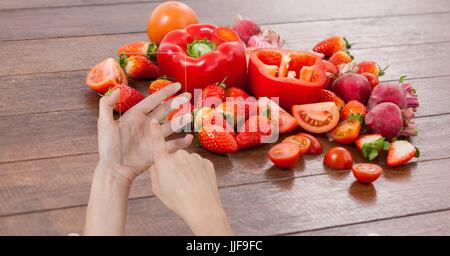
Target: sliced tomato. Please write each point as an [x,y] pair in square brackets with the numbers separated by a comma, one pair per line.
[338,158]
[366,172]
[285,154]
[107,74]
[317,117]
[287,122]
[315,147]
[346,131]
[302,142]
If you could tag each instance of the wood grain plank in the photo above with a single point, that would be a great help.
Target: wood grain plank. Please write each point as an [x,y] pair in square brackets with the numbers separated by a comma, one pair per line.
[22,186]
[276,207]
[436,223]
[90,20]
[32,4]
[53,55]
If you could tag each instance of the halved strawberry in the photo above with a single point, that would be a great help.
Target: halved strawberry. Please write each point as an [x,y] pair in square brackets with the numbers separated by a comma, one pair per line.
[329,96]
[138,48]
[401,152]
[216,139]
[370,145]
[139,67]
[340,57]
[331,45]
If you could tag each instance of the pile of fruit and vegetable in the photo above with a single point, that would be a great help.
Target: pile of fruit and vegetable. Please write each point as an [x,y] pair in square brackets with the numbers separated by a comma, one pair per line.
[240,69]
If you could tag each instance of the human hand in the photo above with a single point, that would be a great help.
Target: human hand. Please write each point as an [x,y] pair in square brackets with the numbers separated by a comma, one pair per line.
[186,183]
[124,145]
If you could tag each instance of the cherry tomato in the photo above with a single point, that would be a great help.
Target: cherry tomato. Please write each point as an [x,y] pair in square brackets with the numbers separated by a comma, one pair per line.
[366,173]
[317,117]
[315,147]
[287,122]
[285,154]
[226,34]
[302,142]
[338,158]
[107,74]
[346,131]
[373,79]
[169,16]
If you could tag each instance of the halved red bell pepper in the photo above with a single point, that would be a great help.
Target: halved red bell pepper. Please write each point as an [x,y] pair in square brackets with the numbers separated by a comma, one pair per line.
[296,77]
[202,54]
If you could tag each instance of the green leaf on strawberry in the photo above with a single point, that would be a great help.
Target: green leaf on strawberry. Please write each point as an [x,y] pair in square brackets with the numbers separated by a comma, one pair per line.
[372,149]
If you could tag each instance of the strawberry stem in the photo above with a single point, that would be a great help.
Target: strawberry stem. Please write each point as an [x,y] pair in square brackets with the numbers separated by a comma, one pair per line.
[151,51]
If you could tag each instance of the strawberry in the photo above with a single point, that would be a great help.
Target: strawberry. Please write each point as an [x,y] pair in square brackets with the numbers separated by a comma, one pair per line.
[372,67]
[215,139]
[370,145]
[353,107]
[400,152]
[210,93]
[139,48]
[373,79]
[158,84]
[250,133]
[340,57]
[127,99]
[327,96]
[331,45]
[181,110]
[235,92]
[139,67]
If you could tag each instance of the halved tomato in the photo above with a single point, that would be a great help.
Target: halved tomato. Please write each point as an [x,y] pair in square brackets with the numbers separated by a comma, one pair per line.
[346,131]
[285,154]
[317,117]
[302,142]
[286,122]
[366,173]
[315,147]
[107,74]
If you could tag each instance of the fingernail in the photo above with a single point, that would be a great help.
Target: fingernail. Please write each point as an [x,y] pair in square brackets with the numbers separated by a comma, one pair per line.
[177,86]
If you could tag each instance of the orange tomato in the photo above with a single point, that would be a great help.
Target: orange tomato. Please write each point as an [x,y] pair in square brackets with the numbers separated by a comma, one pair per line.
[169,16]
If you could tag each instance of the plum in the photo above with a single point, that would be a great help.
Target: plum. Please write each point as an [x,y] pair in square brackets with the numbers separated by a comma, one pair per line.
[352,86]
[388,92]
[385,119]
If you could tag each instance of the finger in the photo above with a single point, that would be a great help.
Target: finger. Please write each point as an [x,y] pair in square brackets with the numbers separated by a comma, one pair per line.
[174,145]
[106,107]
[157,139]
[164,109]
[176,124]
[150,102]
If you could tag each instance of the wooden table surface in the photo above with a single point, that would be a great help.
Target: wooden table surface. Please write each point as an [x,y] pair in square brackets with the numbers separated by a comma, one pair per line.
[48,141]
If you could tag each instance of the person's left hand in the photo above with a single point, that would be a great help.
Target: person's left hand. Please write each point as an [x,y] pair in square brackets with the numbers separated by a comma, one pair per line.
[124,144]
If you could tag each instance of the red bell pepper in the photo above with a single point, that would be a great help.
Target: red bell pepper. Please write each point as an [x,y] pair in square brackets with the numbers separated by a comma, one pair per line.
[296,77]
[202,54]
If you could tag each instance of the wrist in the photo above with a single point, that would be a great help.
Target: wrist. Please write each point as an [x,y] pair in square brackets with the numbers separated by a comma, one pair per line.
[111,176]
[212,221]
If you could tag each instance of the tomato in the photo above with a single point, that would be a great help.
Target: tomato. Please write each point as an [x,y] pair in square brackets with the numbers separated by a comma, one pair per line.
[317,117]
[338,158]
[287,122]
[285,154]
[169,16]
[346,131]
[373,79]
[315,147]
[302,142]
[366,173]
[107,74]
[226,34]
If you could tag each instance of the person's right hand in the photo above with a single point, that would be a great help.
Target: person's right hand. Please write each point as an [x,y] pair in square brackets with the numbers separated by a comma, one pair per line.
[186,183]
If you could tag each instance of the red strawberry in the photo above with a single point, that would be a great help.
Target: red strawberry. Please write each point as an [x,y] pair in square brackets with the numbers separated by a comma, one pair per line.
[215,139]
[245,28]
[372,67]
[250,133]
[400,152]
[139,67]
[158,84]
[127,99]
[370,145]
[341,57]
[210,93]
[327,96]
[351,108]
[235,92]
[331,45]
[138,48]
[373,79]
[183,109]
